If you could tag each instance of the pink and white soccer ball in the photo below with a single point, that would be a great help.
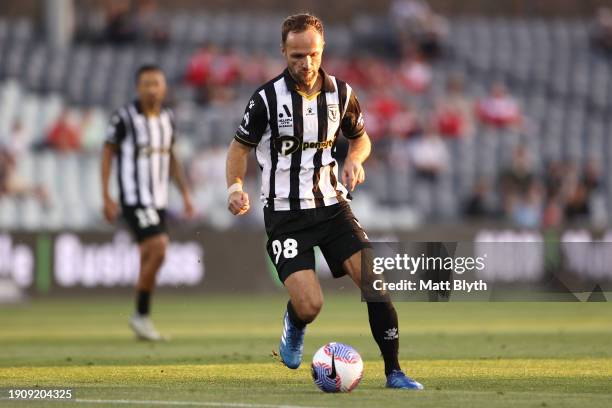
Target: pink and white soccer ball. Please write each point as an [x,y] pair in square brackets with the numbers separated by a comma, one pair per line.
[337,367]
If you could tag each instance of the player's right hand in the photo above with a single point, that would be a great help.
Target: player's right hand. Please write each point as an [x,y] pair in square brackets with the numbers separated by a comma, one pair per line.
[238,203]
[110,210]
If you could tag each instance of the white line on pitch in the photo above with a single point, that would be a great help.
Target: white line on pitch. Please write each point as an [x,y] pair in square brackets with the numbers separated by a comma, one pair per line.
[187,403]
[161,402]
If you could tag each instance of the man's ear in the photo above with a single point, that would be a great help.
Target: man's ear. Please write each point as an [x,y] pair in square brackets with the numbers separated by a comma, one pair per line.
[283,49]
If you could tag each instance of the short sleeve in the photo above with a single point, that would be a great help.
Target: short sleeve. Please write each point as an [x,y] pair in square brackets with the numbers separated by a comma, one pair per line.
[254,122]
[352,124]
[115,132]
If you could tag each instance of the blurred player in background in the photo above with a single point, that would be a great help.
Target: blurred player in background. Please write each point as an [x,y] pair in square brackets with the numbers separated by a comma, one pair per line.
[141,137]
[293,121]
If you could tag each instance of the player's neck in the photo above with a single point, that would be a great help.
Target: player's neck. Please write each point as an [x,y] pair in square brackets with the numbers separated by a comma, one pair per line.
[311,89]
[153,110]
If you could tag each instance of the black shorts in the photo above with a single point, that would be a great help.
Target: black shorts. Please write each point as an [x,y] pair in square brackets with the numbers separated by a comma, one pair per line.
[145,222]
[292,236]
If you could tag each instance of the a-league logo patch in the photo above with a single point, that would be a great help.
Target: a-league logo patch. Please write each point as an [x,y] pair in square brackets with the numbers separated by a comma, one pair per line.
[333,112]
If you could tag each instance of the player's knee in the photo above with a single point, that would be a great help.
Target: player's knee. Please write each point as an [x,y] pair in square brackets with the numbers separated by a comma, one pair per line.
[160,248]
[154,249]
[310,308]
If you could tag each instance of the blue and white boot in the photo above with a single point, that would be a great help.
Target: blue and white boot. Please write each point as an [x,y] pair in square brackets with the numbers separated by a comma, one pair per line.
[397,379]
[291,344]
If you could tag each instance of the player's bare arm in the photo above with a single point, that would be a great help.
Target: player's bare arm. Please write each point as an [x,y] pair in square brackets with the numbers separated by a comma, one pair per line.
[236,167]
[353,172]
[178,175]
[110,206]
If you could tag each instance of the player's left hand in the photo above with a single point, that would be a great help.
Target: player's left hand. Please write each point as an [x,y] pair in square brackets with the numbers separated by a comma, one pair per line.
[353,174]
[188,206]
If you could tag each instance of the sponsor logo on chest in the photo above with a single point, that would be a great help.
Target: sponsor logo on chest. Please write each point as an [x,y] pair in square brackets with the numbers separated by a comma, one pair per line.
[285,119]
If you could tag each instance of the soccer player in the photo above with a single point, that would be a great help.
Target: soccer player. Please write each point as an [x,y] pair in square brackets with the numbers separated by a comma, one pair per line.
[292,122]
[141,137]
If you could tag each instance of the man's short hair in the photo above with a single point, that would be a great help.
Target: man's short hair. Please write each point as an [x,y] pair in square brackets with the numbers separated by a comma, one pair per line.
[147,68]
[298,23]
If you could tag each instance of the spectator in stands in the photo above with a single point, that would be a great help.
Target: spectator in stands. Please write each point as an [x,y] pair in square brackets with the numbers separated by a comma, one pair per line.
[63,136]
[418,27]
[479,203]
[354,70]
[554,178]
[415,74]
[527,209]
[16,144]
[429,155]
[433,35]
[381,110]
[552,214]
[254,69]
[593,181]
[120,26]
[214,74]
[405,123]
[12,185]
[430,158]
[199,66]
[585,197]
[577,205]
[601,30]
[378,74]
[454,115]
[592,177]
[517,179]
[150,22]
[499,108]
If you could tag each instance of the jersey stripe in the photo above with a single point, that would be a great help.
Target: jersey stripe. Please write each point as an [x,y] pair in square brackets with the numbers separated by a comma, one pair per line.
[271,98]
[296,157]
[317,160]
[135,153]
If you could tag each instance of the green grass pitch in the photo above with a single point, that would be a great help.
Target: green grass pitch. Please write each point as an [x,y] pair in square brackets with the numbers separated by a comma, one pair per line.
[466,354]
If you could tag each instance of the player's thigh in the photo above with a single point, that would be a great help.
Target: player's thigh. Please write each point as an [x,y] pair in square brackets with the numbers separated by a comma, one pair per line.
[344,244]
[290,243]
[154,246]
[290,254]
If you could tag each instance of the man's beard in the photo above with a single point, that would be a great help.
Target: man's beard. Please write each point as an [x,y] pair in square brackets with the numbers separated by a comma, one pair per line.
[302,79]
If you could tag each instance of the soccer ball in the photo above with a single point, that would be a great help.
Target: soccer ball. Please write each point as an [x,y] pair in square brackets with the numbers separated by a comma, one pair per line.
[337,367]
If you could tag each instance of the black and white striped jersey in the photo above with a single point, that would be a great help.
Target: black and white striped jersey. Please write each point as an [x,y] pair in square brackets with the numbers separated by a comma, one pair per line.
[295,138]
[143,155]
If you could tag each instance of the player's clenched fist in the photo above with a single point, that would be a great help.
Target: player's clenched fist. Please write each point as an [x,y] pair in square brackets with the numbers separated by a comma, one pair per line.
[238,203]
[352,174]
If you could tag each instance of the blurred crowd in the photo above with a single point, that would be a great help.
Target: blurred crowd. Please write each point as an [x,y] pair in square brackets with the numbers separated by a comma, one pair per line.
[562,193]
[130,21]
[409,116]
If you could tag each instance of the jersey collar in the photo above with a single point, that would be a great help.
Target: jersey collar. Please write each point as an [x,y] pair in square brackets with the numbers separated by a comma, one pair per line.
[327,86]
[138,106]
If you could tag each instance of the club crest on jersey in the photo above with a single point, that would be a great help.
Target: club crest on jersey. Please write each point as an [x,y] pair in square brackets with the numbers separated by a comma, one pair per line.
[286,145]
[333,112]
